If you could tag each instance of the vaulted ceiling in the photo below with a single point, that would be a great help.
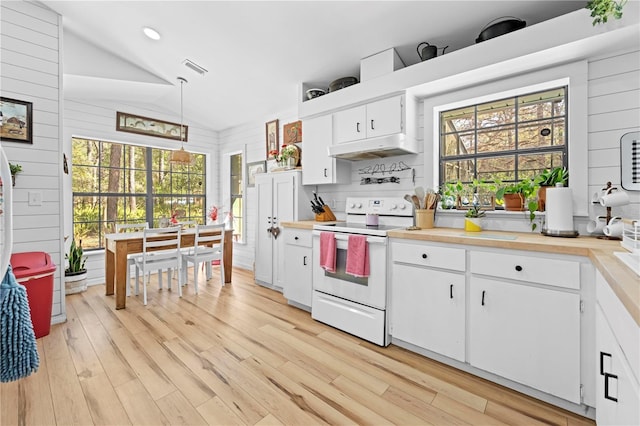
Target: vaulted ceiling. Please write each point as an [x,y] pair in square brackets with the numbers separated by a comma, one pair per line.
[256,53]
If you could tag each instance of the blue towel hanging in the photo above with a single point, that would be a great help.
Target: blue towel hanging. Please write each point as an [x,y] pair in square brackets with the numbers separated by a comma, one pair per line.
[18,348]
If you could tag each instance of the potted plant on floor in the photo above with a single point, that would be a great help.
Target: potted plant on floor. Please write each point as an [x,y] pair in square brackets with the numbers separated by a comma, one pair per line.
[473,219]
[549,178]
[75,276]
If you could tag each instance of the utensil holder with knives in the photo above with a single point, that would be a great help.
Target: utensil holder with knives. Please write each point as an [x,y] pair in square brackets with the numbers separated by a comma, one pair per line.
[326,215]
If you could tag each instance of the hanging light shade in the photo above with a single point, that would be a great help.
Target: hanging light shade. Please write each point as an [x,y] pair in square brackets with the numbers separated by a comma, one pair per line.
[180,156]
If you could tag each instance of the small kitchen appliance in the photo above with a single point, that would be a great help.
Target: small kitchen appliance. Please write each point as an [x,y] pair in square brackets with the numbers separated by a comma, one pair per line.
[351,303]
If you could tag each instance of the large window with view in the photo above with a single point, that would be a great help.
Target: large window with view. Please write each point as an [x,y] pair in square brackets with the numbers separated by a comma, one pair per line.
[117,183]
[505,140]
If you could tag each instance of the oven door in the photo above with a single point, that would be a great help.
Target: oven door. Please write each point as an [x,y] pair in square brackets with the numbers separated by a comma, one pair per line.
[369,291]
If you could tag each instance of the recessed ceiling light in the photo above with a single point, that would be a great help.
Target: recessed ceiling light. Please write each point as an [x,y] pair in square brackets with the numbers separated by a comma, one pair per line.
[151,33]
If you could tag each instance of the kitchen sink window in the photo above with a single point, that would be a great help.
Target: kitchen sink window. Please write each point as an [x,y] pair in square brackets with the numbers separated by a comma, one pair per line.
[509,139]
[118,183]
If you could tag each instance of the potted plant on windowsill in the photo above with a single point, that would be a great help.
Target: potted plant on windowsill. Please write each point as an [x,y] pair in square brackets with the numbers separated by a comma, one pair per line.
[15,169]
[473,219]
[75,276]
[549,178]
[517,197]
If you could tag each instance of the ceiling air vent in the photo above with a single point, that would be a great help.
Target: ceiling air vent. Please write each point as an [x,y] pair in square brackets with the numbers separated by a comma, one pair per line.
[194,67]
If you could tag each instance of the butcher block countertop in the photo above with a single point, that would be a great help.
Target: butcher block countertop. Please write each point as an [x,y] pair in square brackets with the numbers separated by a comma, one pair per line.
[624,282]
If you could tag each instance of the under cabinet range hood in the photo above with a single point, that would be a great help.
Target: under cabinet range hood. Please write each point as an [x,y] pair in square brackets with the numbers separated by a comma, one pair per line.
[372,148]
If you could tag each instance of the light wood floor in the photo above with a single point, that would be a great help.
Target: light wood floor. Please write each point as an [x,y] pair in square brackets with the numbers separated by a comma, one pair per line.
[241,355]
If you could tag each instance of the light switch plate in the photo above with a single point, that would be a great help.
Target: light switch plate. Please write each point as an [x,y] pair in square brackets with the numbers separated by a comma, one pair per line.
[35,198]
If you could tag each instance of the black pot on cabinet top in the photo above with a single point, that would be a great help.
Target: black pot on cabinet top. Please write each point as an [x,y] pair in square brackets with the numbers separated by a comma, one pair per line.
[500,28]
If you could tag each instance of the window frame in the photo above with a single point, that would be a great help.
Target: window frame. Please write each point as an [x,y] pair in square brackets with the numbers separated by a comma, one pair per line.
[574,75]
[149,195]
[516,126]
[241,196]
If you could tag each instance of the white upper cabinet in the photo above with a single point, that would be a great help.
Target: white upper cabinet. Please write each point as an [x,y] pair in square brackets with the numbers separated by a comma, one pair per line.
[318,168]
[375,119]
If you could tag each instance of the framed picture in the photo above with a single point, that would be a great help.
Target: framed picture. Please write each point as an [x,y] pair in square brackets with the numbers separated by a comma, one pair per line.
[271,133]
[292,133]
[16,120]
[149,126]
[252,170]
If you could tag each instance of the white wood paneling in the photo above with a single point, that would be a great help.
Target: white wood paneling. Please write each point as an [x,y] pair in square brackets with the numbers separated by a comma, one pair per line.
[614,109]
[30,71]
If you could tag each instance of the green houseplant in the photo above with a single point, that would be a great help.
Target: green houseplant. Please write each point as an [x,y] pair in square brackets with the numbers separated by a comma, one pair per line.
[473,219]
[15,169]
[549,178]
[602,10]
[75,276]
[517,197]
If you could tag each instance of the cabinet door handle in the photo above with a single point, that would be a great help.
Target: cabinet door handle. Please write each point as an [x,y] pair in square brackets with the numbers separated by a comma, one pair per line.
[424,255]
[325,172]
[358,127]
[450,291]
[372,128]
[304,260]
[482,298]
[608,376]
[518,268]
[602,355]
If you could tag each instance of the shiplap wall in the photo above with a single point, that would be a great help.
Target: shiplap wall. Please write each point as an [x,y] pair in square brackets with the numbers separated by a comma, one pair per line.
[614,109]
[97,120]
[30,71]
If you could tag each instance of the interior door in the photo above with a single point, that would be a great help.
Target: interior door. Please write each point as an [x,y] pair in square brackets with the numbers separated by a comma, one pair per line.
[264,238]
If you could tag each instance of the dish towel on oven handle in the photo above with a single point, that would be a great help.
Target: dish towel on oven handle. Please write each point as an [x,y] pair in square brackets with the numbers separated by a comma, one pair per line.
[328,251]
[357,256]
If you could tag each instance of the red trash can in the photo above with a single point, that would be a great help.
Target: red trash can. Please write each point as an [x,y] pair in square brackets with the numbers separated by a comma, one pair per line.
[34,270]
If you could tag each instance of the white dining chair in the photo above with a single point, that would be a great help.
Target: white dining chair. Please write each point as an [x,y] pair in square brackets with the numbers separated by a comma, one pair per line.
[131,227]
[160,250]
[206,249]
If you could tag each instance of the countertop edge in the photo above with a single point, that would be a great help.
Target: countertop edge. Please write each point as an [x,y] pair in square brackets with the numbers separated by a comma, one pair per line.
[620,278]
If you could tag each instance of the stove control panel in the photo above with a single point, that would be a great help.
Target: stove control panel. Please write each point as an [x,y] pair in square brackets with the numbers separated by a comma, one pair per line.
[385,206]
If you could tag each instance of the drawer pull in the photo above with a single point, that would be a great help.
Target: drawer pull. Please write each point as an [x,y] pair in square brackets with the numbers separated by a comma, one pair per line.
[450,291]
[608,376]
[296,238]
[518,268]
[482,298]
[424,255]
[602,355]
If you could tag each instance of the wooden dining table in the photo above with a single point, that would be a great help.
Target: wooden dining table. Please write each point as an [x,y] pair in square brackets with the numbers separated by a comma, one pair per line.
[120,245]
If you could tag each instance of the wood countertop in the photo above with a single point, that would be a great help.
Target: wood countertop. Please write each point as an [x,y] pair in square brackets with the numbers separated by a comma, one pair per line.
[306,224]
[624,282]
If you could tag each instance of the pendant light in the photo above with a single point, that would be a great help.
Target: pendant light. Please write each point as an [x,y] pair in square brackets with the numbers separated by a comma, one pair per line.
[180,156]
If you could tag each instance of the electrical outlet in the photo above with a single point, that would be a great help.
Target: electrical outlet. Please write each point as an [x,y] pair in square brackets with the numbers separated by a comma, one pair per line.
[35,198]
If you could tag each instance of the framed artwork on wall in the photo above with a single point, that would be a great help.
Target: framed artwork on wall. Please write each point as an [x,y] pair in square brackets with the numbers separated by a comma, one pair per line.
[292,133]
[271,134]
[252,170]
[16,120]
[149,126]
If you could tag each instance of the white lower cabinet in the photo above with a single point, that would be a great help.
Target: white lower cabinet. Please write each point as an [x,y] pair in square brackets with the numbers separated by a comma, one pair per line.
[298,273]
[428,309]
[617,366]
[527,334]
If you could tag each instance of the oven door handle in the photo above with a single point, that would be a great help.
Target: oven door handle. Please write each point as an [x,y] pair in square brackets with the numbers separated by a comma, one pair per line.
[345,237]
